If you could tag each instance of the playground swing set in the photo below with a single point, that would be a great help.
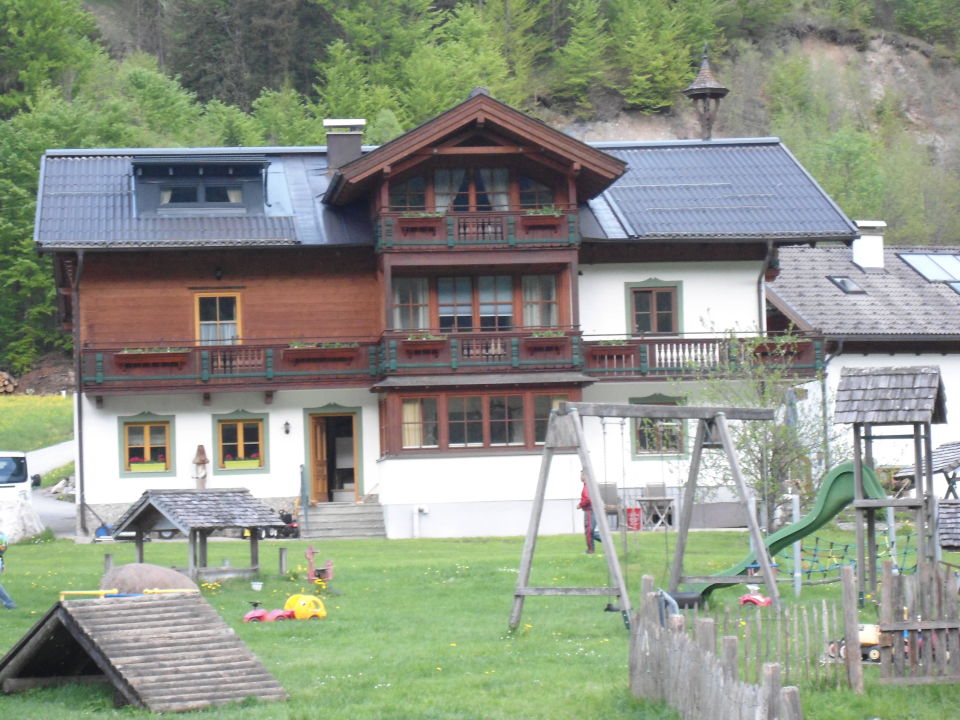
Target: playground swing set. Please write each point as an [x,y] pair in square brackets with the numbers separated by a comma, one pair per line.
[841,486]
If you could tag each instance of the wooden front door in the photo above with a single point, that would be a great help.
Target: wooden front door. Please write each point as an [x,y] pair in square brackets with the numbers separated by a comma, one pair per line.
[319,480]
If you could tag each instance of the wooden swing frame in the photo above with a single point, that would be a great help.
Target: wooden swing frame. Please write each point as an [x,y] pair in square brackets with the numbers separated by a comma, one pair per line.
[565,432]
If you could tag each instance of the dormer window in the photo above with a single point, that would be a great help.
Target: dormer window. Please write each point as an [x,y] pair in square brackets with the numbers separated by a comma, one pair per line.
[468,190]
[210,185]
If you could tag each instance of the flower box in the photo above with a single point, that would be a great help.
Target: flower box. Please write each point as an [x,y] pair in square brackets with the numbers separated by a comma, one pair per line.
[429,225]
[541,221]
[241,464]
[420,346]
[310,354]
[148,467]
[176,358]
[545,344]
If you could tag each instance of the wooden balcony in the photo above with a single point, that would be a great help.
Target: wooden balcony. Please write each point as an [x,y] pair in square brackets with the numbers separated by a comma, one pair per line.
[518,228]
[252,365]
[274,365]
[655,358]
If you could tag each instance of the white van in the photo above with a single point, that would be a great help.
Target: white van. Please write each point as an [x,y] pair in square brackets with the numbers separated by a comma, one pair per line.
[13,472]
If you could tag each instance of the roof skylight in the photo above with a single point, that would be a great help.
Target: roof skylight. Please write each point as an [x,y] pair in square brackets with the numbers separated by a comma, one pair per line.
[935,267]
[845,283]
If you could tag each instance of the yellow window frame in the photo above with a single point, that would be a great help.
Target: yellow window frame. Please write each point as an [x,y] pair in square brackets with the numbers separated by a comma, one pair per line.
[240,460]
[146,465]
[196,314]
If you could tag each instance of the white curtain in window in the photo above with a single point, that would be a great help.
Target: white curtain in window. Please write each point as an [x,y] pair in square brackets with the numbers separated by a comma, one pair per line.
[539,300]
[165,196]
[412,424]
[497,183]
[446,183]
[234,195]
[410,303]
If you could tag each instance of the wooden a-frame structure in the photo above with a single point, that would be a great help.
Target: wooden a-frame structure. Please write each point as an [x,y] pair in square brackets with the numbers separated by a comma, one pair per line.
[565,431]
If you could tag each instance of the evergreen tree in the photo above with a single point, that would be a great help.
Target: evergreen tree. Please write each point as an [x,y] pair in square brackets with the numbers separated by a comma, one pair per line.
[42,42]
[581,64]
[285,118]
[523,26]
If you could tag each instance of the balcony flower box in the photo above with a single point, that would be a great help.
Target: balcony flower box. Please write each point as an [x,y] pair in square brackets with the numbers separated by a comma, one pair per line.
[170,356]
[611,349]
[551,222]
[546,342]
[321,353]
[241,464]
[428,225]
[148,466]
[419,344]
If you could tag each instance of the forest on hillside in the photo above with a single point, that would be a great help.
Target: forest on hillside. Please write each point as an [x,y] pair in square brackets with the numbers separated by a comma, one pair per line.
[141,73]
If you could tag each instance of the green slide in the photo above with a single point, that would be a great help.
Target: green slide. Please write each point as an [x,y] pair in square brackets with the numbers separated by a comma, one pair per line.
[836,492]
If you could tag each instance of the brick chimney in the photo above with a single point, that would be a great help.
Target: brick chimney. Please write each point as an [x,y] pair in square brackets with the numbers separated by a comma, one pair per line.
[868,248]
[344,141]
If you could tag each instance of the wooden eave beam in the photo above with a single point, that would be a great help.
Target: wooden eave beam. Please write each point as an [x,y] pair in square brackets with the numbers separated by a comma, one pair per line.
[604,166]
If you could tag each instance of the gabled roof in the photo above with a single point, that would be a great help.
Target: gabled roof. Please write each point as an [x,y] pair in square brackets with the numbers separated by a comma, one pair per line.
[87,199]
[896,303]
[715,190]
[167,653]
[890,396]
[591,169]
[188,510]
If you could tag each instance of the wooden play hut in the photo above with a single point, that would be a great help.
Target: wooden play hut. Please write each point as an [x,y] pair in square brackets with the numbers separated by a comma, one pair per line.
[874,400]
[166,653]
[198,514]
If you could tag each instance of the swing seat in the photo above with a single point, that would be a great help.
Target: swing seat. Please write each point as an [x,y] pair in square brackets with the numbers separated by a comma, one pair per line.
[688,599]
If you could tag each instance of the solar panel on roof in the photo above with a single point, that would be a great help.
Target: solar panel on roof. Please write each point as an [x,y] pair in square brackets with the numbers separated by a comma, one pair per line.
[935,267]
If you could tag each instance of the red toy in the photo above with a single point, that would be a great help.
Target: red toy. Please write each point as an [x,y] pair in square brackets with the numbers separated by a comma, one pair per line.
[297,607]
[754,597]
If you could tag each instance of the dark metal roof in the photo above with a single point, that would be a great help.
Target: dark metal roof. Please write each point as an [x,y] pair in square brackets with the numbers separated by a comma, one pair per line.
[890,396]
[945,459]
[197,510]
[896,303]
[715,190]
[87,200]
[166,653]
[718,190]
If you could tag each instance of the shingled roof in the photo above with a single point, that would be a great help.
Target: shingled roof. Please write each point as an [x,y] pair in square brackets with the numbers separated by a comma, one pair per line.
[890,396]
[949,524]
[190,510]
[167,653]
[945,459]
[896,302]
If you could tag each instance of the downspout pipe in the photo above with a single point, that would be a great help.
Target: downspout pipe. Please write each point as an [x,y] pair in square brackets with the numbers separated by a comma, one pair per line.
[768,258]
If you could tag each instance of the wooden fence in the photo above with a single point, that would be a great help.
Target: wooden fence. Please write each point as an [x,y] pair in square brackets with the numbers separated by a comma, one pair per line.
[803,640]
[919,627]
[693,678]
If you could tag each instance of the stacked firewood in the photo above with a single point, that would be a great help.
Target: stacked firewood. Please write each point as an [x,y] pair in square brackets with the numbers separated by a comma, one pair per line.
[7,382]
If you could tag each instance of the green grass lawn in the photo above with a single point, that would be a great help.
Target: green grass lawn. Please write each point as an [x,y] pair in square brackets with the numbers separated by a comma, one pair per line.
[418,629]
[29,422]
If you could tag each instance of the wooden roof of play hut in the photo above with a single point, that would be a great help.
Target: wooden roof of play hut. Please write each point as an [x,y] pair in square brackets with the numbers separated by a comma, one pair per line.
[890,396]
[166,653]
[197,514]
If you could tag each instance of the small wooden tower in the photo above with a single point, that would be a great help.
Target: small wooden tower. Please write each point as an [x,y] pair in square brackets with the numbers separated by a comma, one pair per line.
[706,93]
[872,398]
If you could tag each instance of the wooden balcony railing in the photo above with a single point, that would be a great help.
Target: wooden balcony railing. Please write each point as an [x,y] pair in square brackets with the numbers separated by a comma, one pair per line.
[265,365]
[252,363]
[478,229]
[655,357]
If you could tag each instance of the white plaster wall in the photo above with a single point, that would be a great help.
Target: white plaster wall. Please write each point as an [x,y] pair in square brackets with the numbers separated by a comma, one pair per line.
[469,496]
[193,425]
[716,296]
[900,452]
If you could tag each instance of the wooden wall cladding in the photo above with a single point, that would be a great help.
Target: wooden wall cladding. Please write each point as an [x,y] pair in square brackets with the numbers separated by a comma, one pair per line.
[149,297]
